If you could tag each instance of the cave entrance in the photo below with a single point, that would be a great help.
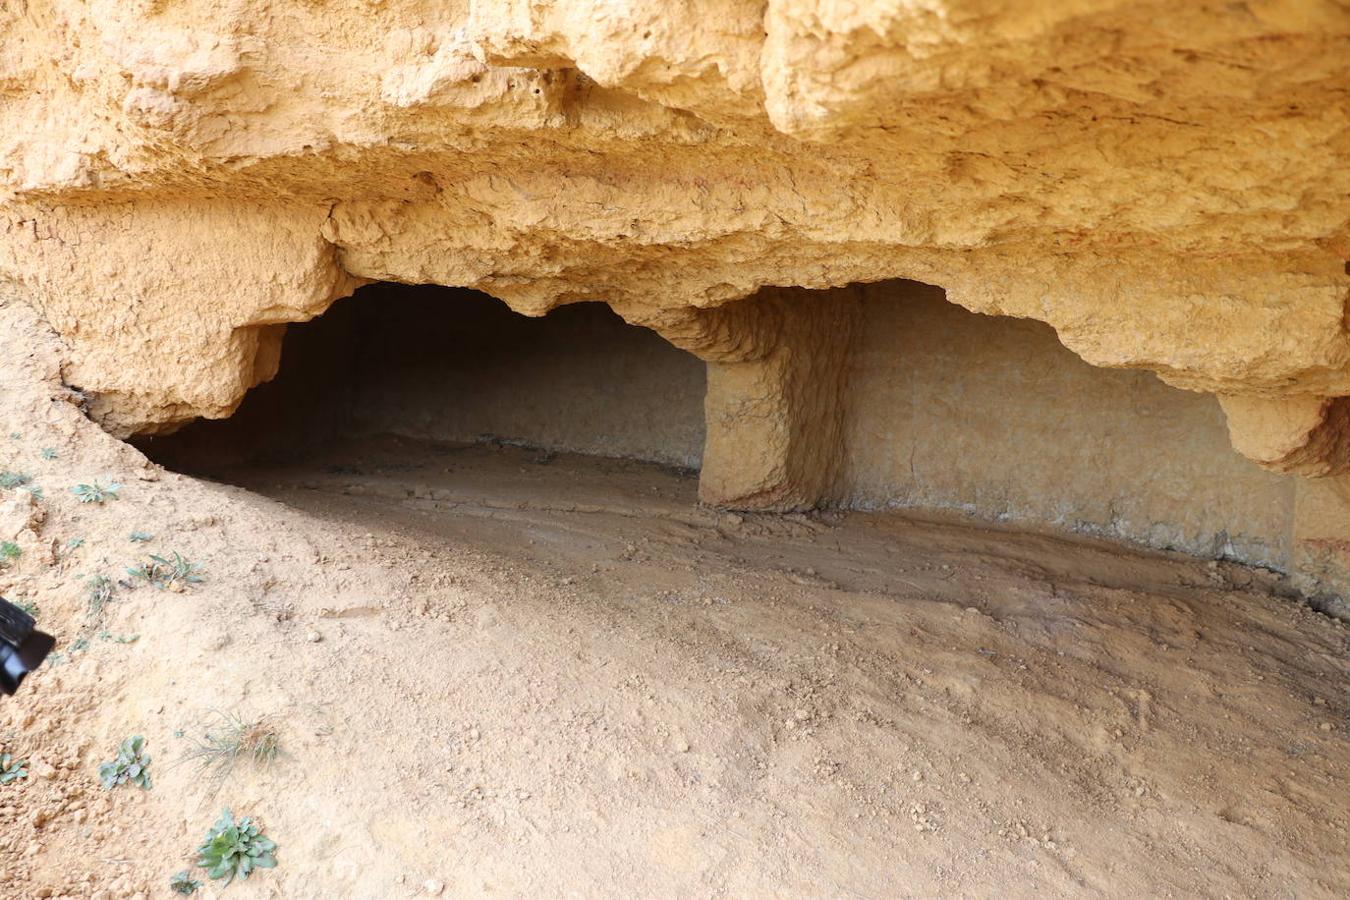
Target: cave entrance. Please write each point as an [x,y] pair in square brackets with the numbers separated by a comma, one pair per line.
[451,366]
[874,396]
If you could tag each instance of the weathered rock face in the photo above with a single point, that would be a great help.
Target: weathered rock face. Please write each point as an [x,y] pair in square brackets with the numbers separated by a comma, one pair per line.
[1163,183]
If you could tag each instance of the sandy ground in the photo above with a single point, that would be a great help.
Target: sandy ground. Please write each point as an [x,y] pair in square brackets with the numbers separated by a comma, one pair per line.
[500,672]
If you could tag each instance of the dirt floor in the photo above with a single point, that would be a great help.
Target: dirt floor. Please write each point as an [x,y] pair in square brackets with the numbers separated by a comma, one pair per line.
[496,671]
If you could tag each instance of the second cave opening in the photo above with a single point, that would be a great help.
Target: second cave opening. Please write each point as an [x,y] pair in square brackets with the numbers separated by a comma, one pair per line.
[456,366]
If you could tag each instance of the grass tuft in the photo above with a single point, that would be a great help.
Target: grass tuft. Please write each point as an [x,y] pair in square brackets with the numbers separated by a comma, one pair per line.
[234,738]
[100,590]
[173,573]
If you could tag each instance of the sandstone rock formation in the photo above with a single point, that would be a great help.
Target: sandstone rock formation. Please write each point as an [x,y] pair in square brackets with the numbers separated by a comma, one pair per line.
[1163,183]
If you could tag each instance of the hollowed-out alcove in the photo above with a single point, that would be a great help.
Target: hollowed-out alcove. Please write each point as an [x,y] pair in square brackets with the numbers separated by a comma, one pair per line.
[457,366]
[993,416]
[937,407]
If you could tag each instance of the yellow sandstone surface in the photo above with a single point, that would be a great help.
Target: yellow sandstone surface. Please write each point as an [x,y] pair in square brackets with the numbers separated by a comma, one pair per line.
[1163,183]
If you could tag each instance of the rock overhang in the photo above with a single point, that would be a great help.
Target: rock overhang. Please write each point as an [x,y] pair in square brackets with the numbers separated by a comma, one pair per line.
[1164,184]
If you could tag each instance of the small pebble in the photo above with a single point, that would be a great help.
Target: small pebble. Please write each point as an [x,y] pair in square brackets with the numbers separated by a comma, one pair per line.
[433,887]
[313,637]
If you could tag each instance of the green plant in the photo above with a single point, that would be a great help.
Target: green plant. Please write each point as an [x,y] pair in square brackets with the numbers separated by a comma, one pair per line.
[14,479]
[48,453]
[183,883]
[100,589]
[12,769]
[9,551]
[174,572]
[141,537]
[75,543]
[96,492]
[234,849]
[235,738]
[131,765]
[27,606]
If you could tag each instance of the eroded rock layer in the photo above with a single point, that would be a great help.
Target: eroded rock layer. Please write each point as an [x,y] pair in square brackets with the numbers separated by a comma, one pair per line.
[1163,183]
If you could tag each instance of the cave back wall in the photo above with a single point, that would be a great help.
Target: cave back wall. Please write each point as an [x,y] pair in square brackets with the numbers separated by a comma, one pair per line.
[460,366]
[993,416]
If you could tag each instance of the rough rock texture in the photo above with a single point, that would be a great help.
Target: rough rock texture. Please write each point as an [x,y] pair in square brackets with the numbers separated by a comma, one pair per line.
[777,367]
[1163,183]
[1302,435]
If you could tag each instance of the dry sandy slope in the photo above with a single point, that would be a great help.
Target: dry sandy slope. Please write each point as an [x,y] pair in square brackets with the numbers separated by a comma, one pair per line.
[557,676]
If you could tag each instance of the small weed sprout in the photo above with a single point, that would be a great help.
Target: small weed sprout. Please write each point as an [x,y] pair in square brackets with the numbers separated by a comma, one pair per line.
[100,589]
[75,543]
[14,479]
[236,738]
[49,453]
[141,537]
[27,606]
[183,883]
[12,769]
[131,765]
[172,573]
[96,492]
[234,849]
[9,552]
